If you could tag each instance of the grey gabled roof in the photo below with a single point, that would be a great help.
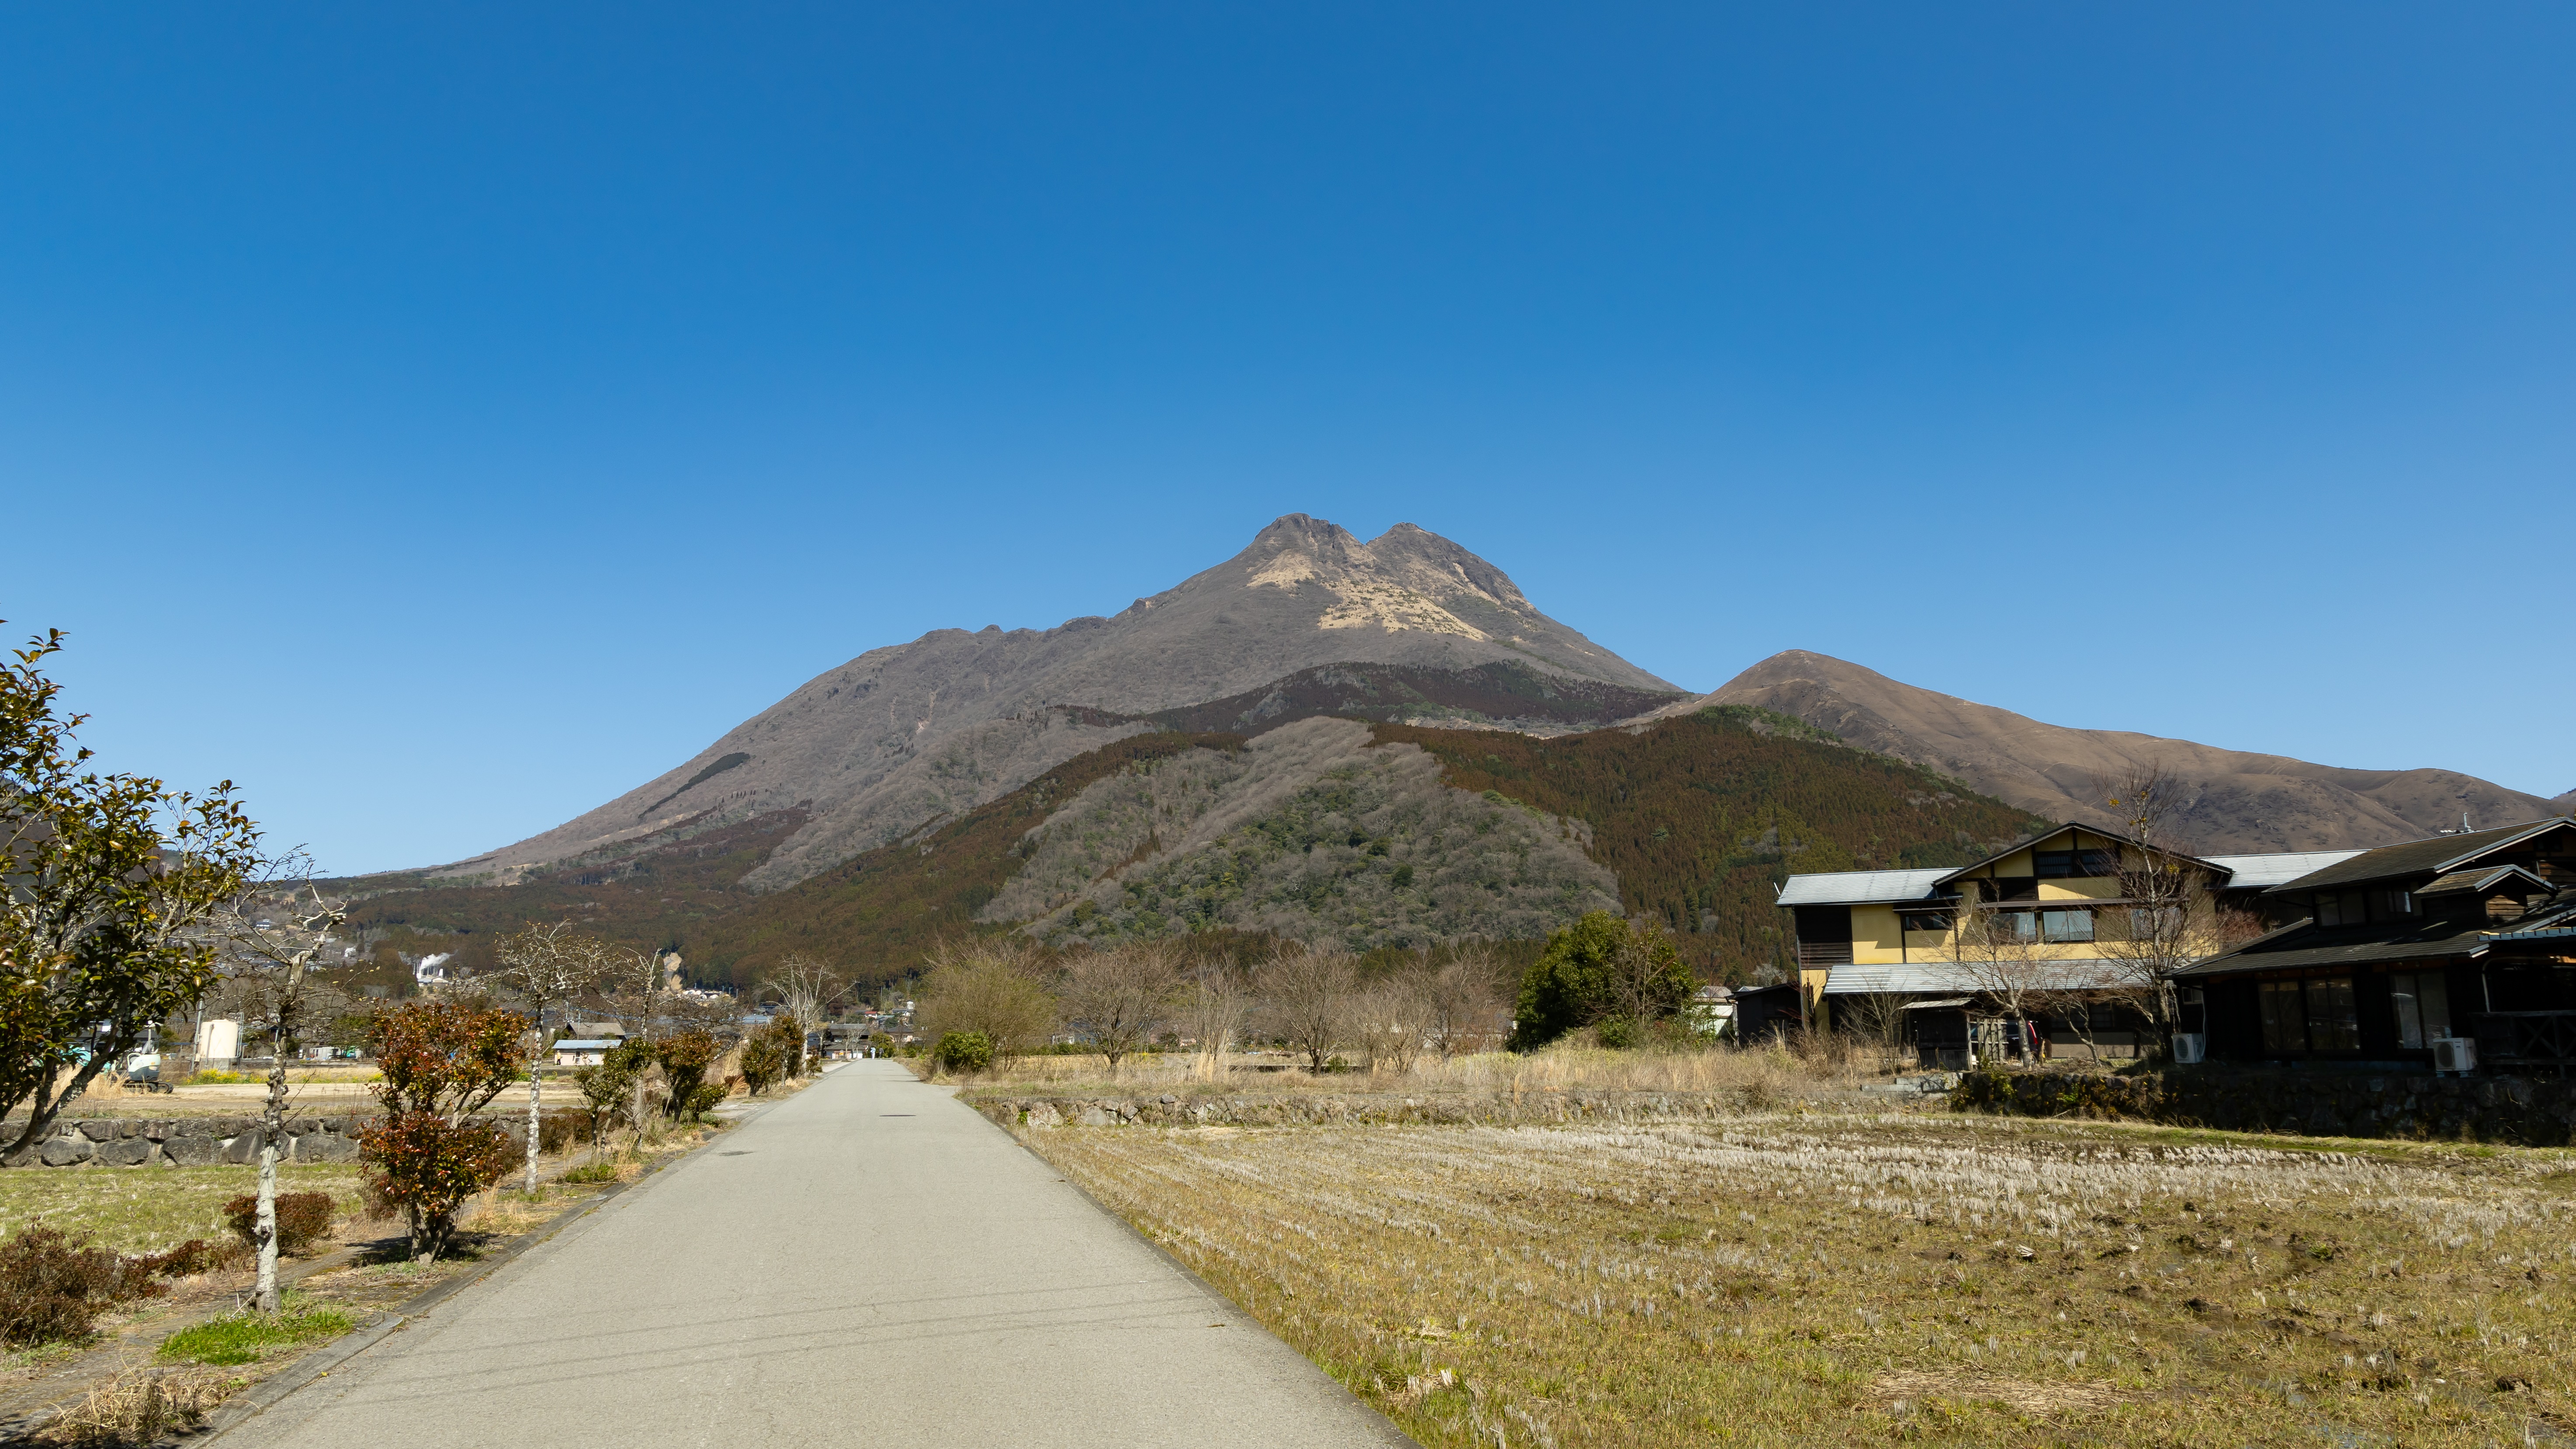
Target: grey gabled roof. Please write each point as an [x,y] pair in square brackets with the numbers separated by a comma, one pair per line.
[2260,872]
[2052,832]
[2474,880]
[1859,887]
[2304,943]
[1945,978]
[2437,855]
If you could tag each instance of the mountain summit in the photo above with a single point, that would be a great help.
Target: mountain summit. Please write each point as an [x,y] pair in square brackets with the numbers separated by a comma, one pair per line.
[906,735]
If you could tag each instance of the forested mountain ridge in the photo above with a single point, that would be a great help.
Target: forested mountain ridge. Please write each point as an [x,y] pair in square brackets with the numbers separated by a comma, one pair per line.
[1363,833]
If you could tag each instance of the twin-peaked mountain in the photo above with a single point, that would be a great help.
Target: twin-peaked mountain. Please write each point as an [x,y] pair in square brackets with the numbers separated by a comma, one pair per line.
[1305,621]
[1381,744]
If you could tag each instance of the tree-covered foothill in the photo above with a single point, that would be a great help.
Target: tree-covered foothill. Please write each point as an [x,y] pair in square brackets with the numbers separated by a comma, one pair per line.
[1600,971]
[111,880]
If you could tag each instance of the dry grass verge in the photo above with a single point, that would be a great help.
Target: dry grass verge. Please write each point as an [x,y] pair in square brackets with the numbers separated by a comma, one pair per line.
[1799,1280]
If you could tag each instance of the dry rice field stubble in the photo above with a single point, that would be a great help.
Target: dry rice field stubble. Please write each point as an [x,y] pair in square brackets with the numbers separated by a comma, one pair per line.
[1815,1279]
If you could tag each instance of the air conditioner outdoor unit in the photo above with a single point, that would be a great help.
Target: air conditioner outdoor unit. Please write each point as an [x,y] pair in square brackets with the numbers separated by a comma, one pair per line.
[2189,1047]
[2454,1055]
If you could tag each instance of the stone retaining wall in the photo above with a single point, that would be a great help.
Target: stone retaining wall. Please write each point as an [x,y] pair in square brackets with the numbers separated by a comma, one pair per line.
[202,1141]
[2537,1112]
[184,1141]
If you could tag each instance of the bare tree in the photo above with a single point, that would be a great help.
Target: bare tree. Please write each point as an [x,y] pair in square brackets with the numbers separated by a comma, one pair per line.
[1391,1017]
[1307,993]
[1121,996]
[1874,1019]
[1467,999]
[1998,955]
[549,966]
[2172,916]
[273,937]
[806,988]
[994,987]
[1212,1004]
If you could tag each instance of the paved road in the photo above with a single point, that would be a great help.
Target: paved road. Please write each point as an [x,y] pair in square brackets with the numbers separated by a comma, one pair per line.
[867,1262]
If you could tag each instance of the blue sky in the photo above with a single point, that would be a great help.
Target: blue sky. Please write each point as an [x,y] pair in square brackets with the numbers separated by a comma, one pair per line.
[442,420]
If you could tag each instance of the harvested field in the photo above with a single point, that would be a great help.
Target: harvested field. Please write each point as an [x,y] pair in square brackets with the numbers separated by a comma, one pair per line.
[1795,1279]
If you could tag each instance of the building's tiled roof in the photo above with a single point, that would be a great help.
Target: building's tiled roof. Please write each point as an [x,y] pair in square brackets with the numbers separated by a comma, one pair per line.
[1858,887]
[2258,872]
[2417,857]
[2306,944]
[579,1044]
[2475,879]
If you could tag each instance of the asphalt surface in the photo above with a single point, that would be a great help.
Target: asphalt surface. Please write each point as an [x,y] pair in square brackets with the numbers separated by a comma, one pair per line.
[867,1262]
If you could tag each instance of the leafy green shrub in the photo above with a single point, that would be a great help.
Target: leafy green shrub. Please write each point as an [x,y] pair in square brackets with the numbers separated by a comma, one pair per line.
[1600,968]
[703,1099]
[763,1063]
[53,1287]
[963,1051]
[1618,1033]
[685,1059]
[592,1172]
[245,1338]
[302,1219]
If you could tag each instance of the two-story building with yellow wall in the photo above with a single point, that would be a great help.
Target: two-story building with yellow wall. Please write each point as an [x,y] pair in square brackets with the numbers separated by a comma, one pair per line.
[2057,904]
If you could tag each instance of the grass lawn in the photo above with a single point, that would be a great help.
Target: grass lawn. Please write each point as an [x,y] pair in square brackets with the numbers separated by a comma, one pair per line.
[1815,1279]
[144,1209]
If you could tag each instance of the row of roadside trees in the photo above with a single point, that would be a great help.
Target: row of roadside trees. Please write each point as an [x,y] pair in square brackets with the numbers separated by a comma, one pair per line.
[1006,996]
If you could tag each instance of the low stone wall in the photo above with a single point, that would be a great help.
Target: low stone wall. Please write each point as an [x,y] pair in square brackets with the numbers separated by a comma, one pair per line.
[182,1141]
[204,1140]
[1354,1109]
[2536,1112]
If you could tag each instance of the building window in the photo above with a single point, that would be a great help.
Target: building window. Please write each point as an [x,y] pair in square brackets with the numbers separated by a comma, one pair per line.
[2334,1018]
[1936,921]
[2423,1005]
[2154,923]
[2075,864]
[2394,904]
[2285,1017]
[2066,925]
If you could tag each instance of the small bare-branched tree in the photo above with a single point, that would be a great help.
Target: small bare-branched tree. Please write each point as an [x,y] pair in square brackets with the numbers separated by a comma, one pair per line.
[1211,1007]
[1997,954]
[1119,997]
[547,966]
[1392,1017]
[1306,995]
[1468,1000]
[1875,1020]
[806,988]
[273,937]
[995,987]
[2172,915]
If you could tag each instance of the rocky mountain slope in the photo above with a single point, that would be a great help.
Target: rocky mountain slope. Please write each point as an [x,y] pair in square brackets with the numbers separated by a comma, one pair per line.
[2238,802]
[1302,621]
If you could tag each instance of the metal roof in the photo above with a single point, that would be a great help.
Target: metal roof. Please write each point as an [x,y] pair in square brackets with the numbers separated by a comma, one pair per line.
[2255,872]
[2438,855]
[1859,887]
[1946,979]
[578,1044]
